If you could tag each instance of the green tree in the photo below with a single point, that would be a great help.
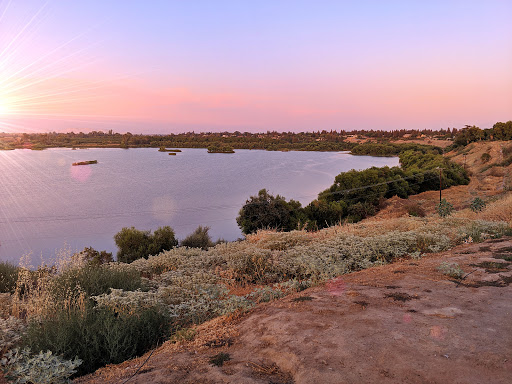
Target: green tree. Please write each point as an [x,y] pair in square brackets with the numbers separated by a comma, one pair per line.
[322,214]
[162,239]
[266,211]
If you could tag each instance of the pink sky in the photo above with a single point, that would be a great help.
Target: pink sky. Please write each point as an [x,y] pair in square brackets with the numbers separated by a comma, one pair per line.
[434,66]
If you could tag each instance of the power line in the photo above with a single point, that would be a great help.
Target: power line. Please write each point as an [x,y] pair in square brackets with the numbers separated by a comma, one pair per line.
[28,219]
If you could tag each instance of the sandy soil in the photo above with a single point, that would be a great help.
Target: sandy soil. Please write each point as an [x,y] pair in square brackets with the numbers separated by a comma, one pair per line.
[401,323]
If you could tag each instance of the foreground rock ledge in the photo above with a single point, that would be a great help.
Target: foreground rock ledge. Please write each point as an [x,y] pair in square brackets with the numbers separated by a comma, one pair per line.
[400,323]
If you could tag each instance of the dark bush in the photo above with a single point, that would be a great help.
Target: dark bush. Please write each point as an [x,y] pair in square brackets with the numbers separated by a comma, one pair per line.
[98,336]
[134,244]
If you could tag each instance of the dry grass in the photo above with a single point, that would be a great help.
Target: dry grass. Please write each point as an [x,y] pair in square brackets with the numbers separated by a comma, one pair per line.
[500,210]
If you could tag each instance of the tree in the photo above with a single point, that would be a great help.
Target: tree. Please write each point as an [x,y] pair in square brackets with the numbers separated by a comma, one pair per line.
[322,214]
[163,239]
[265,211]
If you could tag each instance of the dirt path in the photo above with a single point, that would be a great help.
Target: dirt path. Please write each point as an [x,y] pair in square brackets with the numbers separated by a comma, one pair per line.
[400,323]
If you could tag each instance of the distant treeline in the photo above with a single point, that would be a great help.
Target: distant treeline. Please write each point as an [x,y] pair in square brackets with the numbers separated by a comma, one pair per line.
[354,195]
[272,141]
[470,134]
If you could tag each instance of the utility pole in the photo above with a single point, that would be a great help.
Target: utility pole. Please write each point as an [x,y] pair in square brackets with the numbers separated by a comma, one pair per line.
[440,182]
[464,156]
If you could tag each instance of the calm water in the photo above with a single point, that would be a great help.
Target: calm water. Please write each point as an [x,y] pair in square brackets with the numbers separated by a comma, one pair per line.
[46,203]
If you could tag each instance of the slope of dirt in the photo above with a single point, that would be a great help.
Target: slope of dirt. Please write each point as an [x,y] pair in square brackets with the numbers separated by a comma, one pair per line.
[401,323]
[485,182]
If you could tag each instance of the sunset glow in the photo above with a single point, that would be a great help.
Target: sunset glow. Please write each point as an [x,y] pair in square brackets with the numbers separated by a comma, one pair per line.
[175,67]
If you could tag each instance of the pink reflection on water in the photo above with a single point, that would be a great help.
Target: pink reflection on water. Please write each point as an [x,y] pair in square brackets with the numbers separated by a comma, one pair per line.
[335,286]
[81,172]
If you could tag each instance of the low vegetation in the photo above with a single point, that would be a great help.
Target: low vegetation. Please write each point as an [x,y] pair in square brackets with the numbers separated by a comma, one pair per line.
[103,313]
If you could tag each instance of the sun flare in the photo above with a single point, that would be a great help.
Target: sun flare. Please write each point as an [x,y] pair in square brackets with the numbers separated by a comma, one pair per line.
[4,110]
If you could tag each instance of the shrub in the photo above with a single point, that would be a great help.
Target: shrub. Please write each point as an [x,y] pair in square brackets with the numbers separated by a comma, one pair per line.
[8,276]
[20,367]
[98,336]
[477,204]
[444,208]
[485,157]
[198,239]
[134,244]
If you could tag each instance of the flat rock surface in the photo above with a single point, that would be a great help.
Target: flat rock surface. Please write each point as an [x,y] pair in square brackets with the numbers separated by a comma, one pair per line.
[400,323]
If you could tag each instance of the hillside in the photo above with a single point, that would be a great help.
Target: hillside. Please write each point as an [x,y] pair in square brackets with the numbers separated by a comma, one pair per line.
[405,322]
[485,183]
[402,322]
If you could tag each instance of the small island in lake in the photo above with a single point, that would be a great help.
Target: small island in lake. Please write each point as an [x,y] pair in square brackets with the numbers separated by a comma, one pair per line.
[220,148]
[163,149]
[86,162]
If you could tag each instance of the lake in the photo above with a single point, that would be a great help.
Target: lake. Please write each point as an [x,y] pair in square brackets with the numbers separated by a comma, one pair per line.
[46,203]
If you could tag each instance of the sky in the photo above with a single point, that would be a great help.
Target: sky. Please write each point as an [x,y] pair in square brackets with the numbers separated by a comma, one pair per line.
[164,66]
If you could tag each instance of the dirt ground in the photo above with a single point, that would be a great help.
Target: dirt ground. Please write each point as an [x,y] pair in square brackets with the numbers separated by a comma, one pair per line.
[400,323]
